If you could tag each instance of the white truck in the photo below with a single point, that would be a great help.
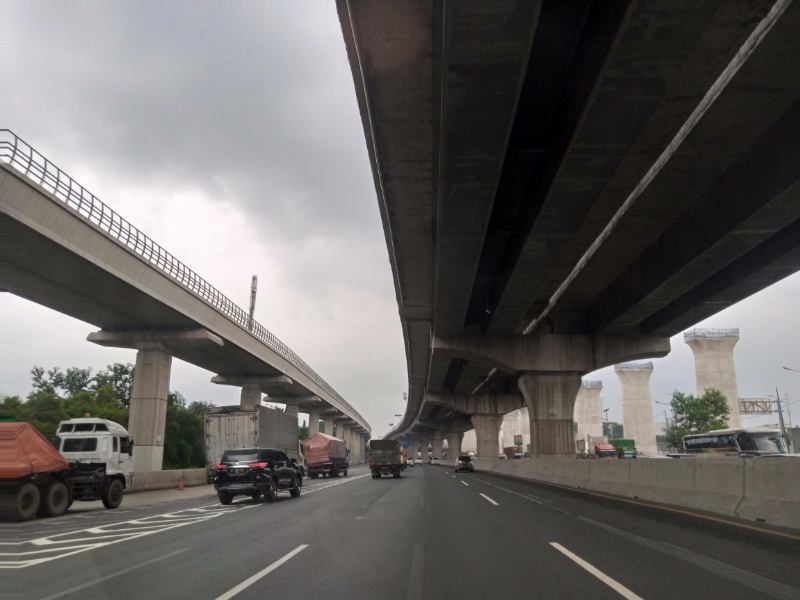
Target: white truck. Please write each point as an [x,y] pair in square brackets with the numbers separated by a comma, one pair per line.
[89,459]
[100,455]
[228,427]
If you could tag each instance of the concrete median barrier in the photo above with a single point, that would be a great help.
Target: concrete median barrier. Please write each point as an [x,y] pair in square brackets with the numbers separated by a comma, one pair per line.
[757,489]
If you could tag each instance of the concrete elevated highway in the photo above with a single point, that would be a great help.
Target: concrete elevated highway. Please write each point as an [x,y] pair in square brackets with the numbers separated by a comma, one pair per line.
[64,249]
[565,185]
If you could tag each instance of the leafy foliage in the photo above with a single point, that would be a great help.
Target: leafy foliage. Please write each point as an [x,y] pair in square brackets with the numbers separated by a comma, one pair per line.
[696,415]
[613,430]
[59,395]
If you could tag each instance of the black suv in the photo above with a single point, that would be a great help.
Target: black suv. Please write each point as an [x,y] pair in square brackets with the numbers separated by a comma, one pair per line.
[255,471]
[464,463]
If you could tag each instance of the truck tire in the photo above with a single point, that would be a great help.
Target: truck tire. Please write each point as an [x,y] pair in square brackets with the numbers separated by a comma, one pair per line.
[333,473]
[224,498]
[294,492]
[112,496]
[344,472]
[28,498]
[55,501]
[272,492]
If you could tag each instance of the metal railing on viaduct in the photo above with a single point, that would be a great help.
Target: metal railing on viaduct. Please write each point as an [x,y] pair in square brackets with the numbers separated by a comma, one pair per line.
[25,159]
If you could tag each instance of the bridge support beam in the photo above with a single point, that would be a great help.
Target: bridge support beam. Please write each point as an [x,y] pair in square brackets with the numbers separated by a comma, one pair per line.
[453,445]
[637,405]
[253,386]
[148,413]
[436,445]
[487,432]
[313,422]
[550,398]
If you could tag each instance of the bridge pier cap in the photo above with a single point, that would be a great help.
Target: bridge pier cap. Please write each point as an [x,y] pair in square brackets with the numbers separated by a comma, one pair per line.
[551,352]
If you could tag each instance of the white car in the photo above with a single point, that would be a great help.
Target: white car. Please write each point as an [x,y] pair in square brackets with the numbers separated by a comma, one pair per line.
[418,461]
[434,461]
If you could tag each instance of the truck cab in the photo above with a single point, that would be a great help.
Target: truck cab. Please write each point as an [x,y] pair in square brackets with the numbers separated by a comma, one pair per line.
[92,443]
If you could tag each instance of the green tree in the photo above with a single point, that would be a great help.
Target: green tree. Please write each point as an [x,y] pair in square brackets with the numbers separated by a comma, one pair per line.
[9,407]
[302,431]
[120,377]
[183,436]
[43,410]
[696,415]
[613,430]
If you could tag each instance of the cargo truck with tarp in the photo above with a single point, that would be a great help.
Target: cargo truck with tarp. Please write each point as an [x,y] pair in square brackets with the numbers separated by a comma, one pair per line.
[37,480]
[325,455]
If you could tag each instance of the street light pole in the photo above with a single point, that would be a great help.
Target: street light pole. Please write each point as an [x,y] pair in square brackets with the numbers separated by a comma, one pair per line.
[784,435]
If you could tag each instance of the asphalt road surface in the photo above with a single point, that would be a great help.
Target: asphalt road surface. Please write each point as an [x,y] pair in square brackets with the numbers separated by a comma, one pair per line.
[429,534]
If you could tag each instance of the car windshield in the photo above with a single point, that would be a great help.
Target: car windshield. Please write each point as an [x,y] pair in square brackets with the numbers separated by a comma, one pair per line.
[464,459]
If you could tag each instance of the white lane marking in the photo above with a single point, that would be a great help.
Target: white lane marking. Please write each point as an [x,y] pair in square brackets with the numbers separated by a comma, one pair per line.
[248,582]
[465,483]
[325,487]
[617,587]
[490,500]
[94,582]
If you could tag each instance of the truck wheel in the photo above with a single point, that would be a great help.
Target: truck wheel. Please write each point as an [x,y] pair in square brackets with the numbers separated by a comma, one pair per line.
[28,498]
[334,473]
[55,501]
[272,492]
[295,491]
[344,472]
[224,498]
[112,497]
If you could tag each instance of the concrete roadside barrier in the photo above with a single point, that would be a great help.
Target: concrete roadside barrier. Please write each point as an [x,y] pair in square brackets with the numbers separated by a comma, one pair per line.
[161,480]
[772,491]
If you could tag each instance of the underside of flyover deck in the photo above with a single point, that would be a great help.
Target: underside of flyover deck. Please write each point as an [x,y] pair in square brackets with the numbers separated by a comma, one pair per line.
[586,168]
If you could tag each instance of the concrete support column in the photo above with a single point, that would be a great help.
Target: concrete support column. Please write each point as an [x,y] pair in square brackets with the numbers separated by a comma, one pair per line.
[453,445]
[251,395]
[714,366]
[436,445]
[313,422]
[550,398]
[589,412]
[148,412]
[355,438]
[292,409]
[637,406]
[327,426]
[487,431]
[343,432]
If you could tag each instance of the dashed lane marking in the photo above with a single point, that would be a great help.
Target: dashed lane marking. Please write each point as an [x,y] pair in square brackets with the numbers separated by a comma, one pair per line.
[489,499]
[614,585]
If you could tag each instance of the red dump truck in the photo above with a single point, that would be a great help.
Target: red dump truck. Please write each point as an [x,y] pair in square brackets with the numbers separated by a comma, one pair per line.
[325,455]
[602,450]
[36,480]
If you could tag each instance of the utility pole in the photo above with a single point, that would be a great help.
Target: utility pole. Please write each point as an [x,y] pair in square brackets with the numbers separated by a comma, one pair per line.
[787,442]
[253,289]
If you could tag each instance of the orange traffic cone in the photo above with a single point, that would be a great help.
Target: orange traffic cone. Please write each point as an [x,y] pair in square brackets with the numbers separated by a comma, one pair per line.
[180,483]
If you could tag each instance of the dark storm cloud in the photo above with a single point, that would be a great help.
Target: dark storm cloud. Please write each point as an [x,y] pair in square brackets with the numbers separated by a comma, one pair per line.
[228,98]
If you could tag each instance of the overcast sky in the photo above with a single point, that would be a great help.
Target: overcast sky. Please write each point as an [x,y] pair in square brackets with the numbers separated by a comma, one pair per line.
[229,133]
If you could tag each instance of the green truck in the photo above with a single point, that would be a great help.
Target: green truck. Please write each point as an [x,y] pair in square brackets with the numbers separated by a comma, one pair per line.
[625,448]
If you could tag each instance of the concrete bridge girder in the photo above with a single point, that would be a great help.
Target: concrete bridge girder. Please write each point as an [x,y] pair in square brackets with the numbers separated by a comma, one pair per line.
[551,352]
[483,404]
